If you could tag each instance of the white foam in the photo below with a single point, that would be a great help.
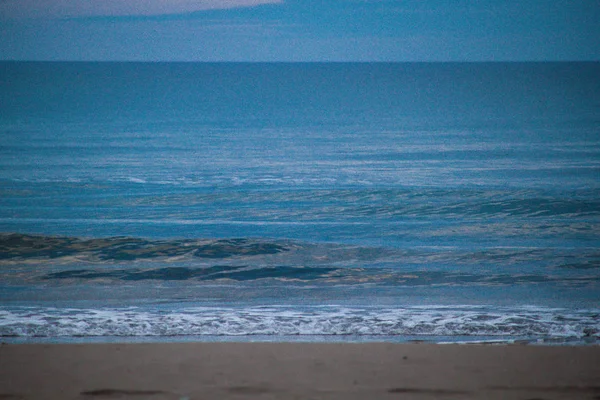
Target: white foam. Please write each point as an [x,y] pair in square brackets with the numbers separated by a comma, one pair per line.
[289,321]
[136,180]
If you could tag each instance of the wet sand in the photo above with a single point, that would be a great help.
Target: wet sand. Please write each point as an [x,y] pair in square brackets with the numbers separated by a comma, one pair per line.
[188,371]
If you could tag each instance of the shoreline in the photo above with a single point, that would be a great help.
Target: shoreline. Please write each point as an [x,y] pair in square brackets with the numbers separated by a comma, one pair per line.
[232,370]
[585,341]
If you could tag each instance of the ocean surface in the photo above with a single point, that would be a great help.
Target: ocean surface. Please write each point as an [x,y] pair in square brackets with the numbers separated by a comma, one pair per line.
[312,202]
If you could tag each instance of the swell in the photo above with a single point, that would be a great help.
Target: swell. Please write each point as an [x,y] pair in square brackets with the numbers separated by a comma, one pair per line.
[53,251]
[62,260]
[321,275]
[15,246]
[149,202]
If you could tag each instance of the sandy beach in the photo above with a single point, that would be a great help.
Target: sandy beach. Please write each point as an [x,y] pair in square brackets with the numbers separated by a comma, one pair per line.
[186,371]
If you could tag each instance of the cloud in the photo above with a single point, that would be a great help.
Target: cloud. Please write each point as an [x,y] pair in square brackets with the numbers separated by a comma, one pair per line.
[93,8]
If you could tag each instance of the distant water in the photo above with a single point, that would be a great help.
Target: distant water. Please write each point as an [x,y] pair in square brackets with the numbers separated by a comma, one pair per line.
[317,202]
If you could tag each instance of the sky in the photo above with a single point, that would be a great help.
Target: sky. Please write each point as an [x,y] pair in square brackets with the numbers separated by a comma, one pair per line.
[300,30]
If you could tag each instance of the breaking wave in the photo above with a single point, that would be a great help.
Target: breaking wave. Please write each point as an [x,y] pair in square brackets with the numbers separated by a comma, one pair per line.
[532,322]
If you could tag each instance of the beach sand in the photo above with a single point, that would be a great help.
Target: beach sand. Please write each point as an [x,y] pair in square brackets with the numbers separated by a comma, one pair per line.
[187,371]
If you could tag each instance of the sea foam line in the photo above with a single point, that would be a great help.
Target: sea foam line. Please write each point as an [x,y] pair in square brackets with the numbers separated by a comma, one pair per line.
[289,321]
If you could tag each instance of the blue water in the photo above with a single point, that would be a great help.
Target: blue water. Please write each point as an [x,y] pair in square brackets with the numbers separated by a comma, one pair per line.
[317,202]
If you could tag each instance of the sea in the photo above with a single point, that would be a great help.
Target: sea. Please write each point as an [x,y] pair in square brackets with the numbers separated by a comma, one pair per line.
[319,202]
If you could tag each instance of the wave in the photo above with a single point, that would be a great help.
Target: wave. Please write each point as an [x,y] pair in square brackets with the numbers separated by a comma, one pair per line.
[324,275]
[293,204]
[127,248]
[474,321]
[235,273]
[39,259]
